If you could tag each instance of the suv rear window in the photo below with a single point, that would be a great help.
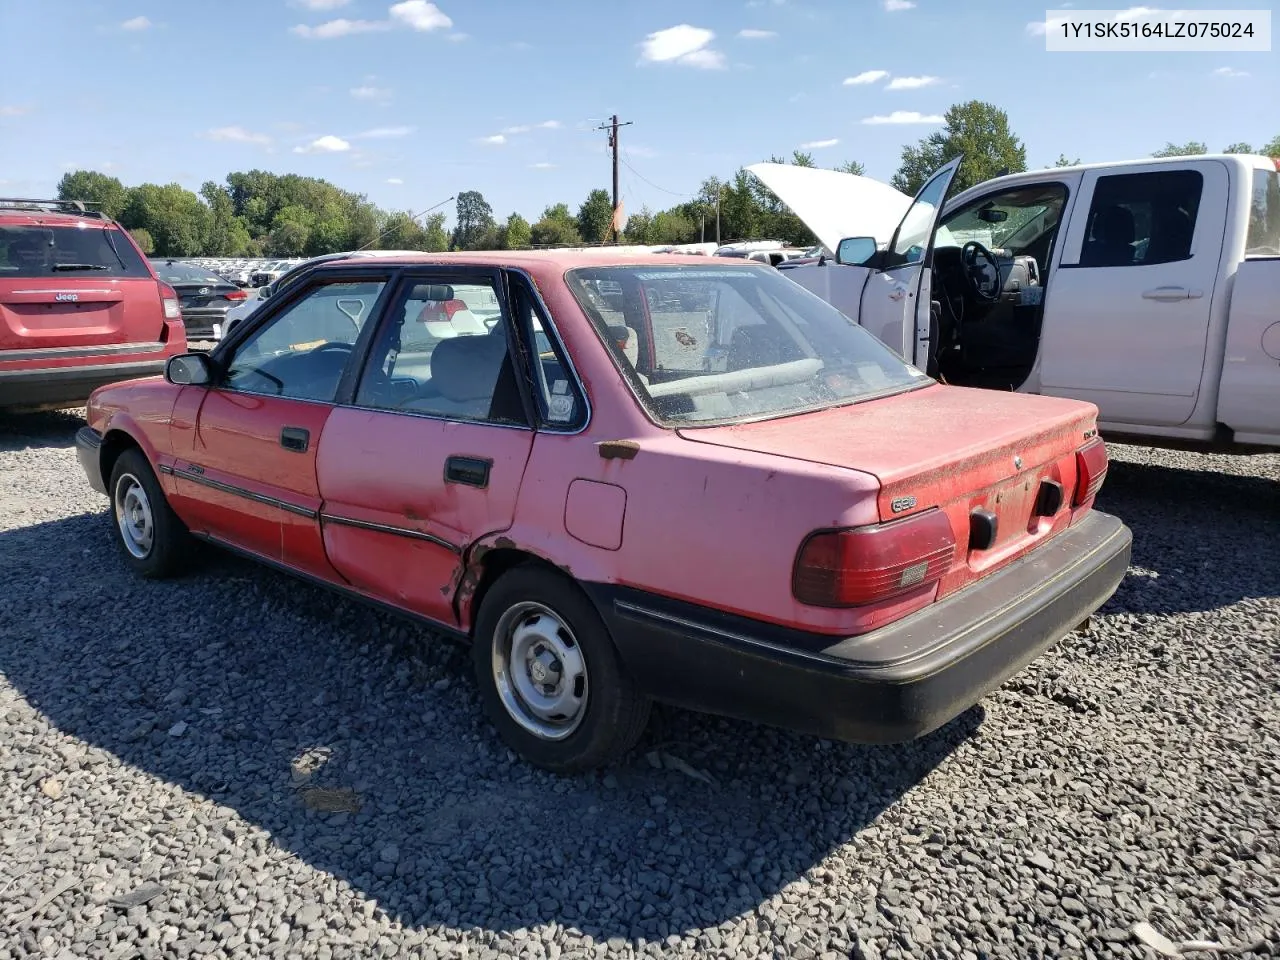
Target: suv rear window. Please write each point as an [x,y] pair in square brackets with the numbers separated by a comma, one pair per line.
[1264,215]
[42,250]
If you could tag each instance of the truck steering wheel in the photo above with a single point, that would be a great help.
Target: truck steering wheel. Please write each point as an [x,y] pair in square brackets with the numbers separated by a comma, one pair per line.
[970,254]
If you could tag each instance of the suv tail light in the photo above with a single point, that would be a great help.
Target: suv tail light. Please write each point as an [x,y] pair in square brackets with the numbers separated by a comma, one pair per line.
[1091,470]
[862,565]
[169,298]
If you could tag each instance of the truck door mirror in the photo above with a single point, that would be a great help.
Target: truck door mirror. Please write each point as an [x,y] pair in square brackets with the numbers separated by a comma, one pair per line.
[856,251]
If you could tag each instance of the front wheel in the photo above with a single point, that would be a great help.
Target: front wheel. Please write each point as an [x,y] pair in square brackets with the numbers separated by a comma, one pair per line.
[155,542]
[550,677]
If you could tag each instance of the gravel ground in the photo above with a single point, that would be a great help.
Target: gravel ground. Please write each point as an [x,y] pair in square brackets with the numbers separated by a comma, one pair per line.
[238,765]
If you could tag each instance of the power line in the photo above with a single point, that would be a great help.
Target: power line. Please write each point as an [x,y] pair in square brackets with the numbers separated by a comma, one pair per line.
[673,193]
[413,217]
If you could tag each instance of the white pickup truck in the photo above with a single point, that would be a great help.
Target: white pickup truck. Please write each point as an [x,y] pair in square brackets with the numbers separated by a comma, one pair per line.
[1150,288]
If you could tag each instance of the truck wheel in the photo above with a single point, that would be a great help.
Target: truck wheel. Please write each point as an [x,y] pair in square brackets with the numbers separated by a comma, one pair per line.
[550,677]
[154,541]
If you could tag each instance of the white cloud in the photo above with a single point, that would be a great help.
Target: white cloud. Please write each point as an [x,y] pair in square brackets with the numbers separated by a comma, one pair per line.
[367,92]
[543,165]
[236,135]
[526,127]
[865,77]
[911,83]
[420,15]
[905,116]
[819,144]
[682,44]
[137,23]
[326,144]
[395,181]
[496,140]
[459,37]
[322,4]
[12,110]
[1230,72]
[383,133]
[750,34]
[1037,28]
[339,28]
[1137,13]
[895,6]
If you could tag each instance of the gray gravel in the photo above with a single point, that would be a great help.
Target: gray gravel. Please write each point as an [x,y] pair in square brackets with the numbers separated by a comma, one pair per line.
[238,765]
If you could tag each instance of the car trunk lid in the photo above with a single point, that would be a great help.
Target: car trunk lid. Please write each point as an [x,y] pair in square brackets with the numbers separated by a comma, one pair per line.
[950,448]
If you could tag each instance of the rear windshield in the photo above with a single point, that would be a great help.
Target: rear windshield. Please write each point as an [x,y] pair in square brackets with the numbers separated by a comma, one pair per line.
[707,345]
[184,273]
[85,249]
[1264,215]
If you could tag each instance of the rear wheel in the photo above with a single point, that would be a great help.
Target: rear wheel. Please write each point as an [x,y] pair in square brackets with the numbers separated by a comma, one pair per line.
[550,677]
[154,541]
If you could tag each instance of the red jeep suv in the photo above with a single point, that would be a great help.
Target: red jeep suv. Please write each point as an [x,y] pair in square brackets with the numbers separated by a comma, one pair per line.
[80,306]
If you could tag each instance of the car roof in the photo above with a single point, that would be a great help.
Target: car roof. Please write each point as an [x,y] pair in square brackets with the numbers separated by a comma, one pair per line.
[13,216]
[560,260]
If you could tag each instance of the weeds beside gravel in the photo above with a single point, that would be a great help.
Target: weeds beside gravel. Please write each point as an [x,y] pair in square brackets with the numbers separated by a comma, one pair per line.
[234,764]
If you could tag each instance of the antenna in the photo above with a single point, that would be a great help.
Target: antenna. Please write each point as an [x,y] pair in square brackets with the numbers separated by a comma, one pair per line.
[414,216]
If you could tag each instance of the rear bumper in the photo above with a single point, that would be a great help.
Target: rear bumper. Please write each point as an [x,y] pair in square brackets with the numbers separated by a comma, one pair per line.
[69,386]
[199,321]
[89,451]
[889,686]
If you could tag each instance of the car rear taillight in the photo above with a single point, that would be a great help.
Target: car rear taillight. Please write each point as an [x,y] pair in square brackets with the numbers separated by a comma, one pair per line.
[169,298]
[1091,470]
[862,565]
[235,295]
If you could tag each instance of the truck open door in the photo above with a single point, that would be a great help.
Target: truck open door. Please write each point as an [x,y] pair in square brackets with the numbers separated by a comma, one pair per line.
[896,299]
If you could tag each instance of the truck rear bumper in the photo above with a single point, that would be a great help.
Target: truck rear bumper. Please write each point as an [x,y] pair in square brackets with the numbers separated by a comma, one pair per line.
[68,386]
[889,686]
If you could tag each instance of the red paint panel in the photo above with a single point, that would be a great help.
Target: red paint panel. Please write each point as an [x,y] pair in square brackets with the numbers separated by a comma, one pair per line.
[234,442]
[388,469]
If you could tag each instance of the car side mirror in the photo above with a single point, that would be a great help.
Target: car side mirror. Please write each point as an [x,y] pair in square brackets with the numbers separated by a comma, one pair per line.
[264,292]
[189,369]
[856,251]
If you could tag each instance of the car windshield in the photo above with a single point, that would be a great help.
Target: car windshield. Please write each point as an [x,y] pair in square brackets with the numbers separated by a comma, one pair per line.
[723,344]
[171,272]
[1012,221]
[85,249]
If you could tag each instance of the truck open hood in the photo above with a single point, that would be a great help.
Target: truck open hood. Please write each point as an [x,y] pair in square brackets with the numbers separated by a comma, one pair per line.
[836,205]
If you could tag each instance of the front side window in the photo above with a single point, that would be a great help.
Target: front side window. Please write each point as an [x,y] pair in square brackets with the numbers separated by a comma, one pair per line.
[443,353]
[302,352]
[1264,215]
[703,345]
[913,234]
[1140,219]
[84,250]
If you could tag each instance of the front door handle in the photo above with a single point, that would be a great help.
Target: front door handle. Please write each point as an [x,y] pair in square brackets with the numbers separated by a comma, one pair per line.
[296,439]
[1171,294]
[471,471]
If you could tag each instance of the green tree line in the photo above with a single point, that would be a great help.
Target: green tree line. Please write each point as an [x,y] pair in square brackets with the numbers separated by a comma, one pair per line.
[257,213]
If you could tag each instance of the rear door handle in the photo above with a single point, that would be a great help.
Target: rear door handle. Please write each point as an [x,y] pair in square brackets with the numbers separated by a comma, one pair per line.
[295,438]
[470,471]
[1171,294]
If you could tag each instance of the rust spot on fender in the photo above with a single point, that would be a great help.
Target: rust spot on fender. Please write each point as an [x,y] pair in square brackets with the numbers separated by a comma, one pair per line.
[617,449]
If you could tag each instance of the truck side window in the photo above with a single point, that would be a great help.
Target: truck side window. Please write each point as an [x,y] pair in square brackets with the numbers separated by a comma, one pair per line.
[1139,219]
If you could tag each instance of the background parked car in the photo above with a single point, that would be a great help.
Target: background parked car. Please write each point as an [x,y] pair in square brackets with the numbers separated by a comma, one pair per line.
[80,306]
[204,296]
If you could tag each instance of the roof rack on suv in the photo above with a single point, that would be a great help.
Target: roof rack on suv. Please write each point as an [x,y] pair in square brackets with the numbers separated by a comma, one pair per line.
[58,206]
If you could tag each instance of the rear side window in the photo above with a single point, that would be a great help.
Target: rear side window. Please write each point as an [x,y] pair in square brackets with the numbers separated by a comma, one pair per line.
[1264,215]
[1139,219]
[85,249]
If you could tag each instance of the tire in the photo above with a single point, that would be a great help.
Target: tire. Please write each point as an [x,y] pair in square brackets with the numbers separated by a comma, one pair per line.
[155,543]
[556,636]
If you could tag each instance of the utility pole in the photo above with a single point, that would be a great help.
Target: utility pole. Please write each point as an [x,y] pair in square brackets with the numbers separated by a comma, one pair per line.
[612,126]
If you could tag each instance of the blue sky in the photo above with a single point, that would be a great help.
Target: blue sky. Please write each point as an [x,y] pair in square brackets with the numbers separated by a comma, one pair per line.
[411,102]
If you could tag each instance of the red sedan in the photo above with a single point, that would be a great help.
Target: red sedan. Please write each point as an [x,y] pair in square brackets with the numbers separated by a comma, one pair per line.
[623,479]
